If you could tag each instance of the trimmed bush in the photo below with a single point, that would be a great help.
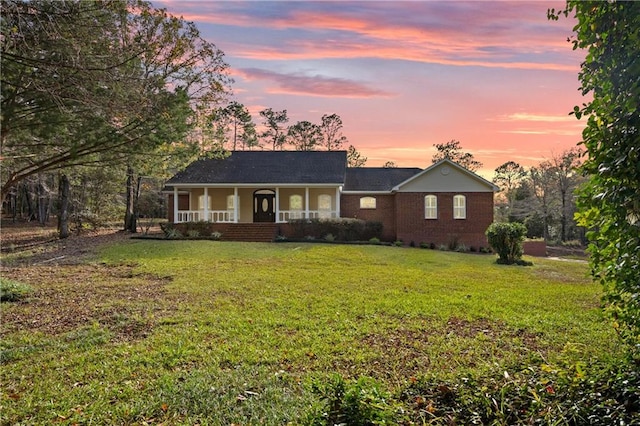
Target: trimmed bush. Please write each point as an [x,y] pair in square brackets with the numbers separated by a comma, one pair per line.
[341,229]
[506,239]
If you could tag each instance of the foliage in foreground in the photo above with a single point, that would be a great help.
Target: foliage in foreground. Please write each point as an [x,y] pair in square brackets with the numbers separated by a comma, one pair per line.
[610,201]
[568,394]
[12,291]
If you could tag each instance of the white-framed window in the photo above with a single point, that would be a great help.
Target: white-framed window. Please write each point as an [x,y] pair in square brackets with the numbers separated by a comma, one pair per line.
[295,202]
[295,206]
[201,202]
[324,202]
[430,207]
[231,202]
[459,207]
[324,206]
[367,203]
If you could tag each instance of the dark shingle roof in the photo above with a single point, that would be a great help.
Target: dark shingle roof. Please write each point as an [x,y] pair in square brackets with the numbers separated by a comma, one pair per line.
[267,167]
[376,178]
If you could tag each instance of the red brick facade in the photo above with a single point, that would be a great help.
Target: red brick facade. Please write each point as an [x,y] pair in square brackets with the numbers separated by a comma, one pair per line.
[403,217]
[384,212]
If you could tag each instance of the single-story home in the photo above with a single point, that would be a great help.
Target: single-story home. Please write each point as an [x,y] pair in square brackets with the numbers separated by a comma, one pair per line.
[442,204]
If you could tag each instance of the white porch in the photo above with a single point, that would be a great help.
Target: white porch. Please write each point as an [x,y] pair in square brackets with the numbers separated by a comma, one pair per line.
[250,204]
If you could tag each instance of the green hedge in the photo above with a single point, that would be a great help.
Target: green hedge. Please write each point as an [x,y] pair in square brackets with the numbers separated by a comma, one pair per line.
[338,229]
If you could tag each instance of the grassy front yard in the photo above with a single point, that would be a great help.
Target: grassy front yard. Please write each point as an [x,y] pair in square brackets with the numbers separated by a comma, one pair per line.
[200,332]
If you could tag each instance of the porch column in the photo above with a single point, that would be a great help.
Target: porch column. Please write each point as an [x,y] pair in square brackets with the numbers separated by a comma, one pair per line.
[206,204]
[306,202]
[235,204]
[337,202]
[175,205]
[277,204]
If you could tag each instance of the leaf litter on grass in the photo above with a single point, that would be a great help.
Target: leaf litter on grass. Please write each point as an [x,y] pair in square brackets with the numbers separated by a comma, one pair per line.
[66,297]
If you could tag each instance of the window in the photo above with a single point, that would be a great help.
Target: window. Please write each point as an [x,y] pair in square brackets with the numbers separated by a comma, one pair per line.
[201,202]
[231,202]
[295,202]
[459,207]
[295,207]
[324,206]
[430,207]
[324,202]
[367,203]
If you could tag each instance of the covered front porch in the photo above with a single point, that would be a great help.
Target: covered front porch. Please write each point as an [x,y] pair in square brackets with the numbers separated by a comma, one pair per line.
[253,204]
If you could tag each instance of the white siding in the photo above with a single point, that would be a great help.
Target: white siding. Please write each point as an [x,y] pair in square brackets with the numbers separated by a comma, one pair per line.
[452,180]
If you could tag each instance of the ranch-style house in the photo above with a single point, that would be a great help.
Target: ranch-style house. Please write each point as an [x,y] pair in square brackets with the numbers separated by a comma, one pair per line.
[258,192]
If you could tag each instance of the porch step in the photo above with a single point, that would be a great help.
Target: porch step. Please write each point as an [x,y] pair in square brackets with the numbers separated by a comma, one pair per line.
[256,232]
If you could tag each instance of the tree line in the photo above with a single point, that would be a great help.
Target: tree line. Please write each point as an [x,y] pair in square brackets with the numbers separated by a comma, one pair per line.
[543,197]
[233,128]
[126,101]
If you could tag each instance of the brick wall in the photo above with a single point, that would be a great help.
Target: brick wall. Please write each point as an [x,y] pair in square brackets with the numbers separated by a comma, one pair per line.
[384,212]
[412,226]
[183,204]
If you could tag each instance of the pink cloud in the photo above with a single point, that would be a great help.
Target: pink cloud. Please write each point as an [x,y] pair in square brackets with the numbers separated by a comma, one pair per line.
[298,84]
[462,35]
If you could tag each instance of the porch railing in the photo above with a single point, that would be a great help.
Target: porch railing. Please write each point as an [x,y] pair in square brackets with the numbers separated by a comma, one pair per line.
[226,216]
[287,215]
[198,215]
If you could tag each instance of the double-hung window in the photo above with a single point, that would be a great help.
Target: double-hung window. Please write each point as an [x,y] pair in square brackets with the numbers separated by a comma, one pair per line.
[430,207]
[295,206]
[459,207]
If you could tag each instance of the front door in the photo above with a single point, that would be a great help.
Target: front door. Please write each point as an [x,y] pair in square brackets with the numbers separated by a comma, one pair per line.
[264,206]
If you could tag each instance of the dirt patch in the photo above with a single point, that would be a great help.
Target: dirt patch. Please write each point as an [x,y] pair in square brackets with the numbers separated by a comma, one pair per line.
[32,244]
[67,297]
[70,293]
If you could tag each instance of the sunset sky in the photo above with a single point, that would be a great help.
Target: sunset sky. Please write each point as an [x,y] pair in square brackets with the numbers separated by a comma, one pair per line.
[403,76]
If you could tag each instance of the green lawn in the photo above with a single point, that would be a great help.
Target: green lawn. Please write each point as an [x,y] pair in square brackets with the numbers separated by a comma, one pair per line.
[201,332]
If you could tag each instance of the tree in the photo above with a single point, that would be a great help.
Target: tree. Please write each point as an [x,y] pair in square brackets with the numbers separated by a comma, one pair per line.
[453,151]
[75,94]
[507,177]
[331,132]
[610,202]
[390,165]
[543,187]
[304,135]
[566,180]
[234,124]
[354,158]
[275,134]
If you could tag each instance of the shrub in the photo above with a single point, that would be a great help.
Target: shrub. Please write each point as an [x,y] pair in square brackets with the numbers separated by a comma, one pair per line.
[216,235]
[453,242]
[506,239]
[193,233]
[329,237]
[201,227]
[170,231]
[343,229]
[374,240]
[13,291]
[398,243]
[424,245]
